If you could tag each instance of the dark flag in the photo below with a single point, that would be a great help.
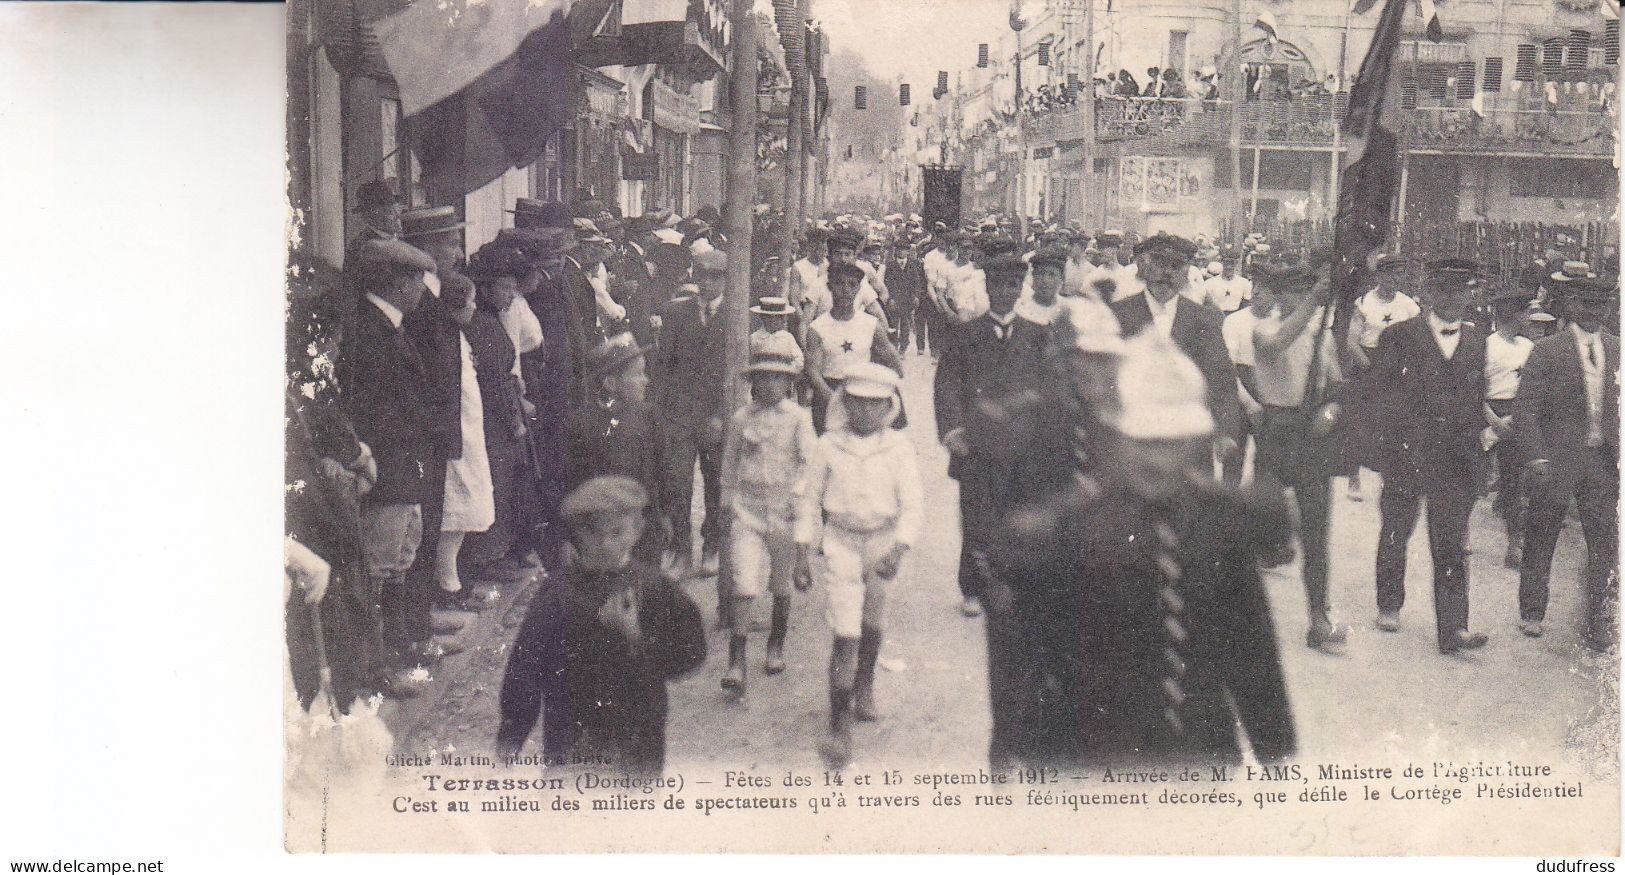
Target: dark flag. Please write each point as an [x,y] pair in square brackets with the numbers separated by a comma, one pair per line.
[1370,168]
[1043,54]
[860,97]
[482,84]
[942,81]
[902,94]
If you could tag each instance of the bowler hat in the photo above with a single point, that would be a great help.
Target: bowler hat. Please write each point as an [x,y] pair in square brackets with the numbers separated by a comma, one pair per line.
[611,493]
[426,221]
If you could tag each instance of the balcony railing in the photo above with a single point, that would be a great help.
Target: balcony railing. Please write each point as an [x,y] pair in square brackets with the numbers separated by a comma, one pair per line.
[1566,132]
[1311,121]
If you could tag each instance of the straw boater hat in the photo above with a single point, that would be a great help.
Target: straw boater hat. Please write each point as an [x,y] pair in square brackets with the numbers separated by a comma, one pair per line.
[393,253]
[773,306]
[776,353]
[428,221]
[1571,271]
[1161,393]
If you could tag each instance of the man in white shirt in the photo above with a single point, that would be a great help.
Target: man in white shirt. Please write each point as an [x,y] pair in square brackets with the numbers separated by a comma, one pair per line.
[1229,291]
[1383,306]
[808,272]
[843,249]
[1505,353]
[1566,422]
[966,291]
[1290,444]
[1238,341]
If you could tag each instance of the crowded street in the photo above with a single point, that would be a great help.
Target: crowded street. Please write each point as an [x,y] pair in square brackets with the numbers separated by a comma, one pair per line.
[1519,695]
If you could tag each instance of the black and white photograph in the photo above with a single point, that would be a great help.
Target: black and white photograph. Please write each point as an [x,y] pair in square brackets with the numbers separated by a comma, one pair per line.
[969,426]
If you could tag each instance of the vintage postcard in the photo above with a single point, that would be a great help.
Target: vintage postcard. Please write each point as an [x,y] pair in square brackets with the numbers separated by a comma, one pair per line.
[953,426]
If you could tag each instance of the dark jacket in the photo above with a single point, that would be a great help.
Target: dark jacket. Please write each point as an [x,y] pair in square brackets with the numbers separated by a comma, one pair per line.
[383,387]
[906,282]
[599,694]
[438,340]
[690,365]
[564,344]
[499,388]
[1199,333]
[1426,412]
[977,370]
[1157,668]
[1550,419]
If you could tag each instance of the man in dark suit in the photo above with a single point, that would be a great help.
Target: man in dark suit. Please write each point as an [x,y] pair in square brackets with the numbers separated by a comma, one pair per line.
[1163,263]
[1426,393]
[690,369]
[1566,422]
[986,361]
[383,386]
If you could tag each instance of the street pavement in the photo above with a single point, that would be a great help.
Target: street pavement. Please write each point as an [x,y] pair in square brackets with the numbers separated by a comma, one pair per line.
[1383,695]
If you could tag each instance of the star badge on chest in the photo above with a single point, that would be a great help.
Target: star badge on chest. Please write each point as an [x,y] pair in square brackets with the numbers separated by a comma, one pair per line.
[846,346]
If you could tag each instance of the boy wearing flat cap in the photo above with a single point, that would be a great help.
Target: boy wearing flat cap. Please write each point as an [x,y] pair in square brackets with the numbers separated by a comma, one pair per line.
[1566,423]
[864,483]
[619,433]
[595,651]
[765,460]
[1426,394]
[1151,569]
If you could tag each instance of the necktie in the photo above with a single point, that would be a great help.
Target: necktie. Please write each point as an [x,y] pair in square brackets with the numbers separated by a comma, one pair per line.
[1448,332]
[1001,331]
[1594,354]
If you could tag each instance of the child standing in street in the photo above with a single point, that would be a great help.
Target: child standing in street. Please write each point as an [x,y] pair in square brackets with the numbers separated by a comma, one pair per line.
[866,486]
[765,460]
[595,651]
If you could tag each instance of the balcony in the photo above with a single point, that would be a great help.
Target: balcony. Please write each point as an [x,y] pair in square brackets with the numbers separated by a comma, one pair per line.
[1566,133]
[688,34]
[1309,122]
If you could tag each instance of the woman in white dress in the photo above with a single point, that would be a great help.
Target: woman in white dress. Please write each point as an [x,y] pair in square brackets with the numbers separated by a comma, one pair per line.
[469,504]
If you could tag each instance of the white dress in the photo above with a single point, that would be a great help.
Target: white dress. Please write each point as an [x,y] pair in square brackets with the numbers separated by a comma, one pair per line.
[469,504]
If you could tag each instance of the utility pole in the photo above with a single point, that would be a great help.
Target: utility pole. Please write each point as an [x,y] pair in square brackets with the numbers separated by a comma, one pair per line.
[736,219]
[1237,82]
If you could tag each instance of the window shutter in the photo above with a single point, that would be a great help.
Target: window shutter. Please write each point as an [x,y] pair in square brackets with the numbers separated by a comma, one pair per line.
[1525,69]
[1492,74]
[1465,80]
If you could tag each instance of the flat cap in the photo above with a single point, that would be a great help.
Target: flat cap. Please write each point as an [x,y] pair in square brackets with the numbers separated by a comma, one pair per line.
[869,380]
[395,253]
[608,494]
[1451,273]
[1165,242]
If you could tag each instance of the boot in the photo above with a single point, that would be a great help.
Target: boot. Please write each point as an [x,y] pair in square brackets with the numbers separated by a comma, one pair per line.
[836,747]
[734,678]
[775,636]
[863,687]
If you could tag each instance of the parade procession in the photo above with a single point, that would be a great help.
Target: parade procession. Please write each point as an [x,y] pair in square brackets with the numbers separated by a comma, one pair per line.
[999,385]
